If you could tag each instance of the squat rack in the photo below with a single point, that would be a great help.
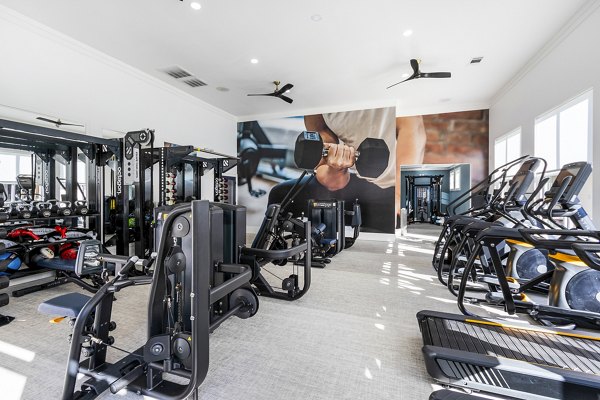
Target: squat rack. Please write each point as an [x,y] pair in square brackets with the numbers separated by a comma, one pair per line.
[50,145]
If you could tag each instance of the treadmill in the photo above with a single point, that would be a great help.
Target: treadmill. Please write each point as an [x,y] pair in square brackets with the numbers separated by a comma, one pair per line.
[512,359]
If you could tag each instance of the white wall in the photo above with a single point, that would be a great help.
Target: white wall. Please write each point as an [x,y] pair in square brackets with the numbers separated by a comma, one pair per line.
[49,73]
[566,67]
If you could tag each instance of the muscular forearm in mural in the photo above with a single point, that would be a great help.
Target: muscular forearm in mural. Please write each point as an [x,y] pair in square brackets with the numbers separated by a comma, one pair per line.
[410,146]
[333,170]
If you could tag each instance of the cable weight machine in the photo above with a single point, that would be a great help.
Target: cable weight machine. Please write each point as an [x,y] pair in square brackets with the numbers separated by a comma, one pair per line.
[423,199]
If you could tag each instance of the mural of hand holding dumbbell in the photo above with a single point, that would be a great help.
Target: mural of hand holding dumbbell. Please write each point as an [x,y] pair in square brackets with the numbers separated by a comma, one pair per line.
[350,163]
[354,158]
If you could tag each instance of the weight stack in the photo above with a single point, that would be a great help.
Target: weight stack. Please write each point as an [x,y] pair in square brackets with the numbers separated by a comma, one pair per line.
[225,190]
[331,213]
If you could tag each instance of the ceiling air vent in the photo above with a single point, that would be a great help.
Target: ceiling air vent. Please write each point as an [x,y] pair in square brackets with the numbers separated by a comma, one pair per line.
[183,76]
[194,82]
[177,72]
[476,60]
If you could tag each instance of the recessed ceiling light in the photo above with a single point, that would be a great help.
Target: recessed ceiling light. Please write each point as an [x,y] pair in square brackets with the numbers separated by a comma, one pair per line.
[195,5]
[222,89]
[316,17]
[254,61]
[445,100]
[407,33]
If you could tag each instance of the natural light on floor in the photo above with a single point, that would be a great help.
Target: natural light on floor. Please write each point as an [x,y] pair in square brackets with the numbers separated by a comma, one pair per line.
[12,384]
[16,351]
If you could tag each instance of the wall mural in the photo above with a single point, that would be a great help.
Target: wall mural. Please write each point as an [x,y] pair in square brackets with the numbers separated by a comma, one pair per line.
[383,143]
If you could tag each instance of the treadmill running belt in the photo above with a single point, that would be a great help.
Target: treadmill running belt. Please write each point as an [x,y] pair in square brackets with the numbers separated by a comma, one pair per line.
[534,362]
[531,346]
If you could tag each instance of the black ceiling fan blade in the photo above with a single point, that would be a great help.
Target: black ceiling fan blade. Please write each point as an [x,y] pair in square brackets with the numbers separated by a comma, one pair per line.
[57,122]
[286,99]
[261,94]
[49,120]
[414,63]
[285,88]
[436,75]
[413,76]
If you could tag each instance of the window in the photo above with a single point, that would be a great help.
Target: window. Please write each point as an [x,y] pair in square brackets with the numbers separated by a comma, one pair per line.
[563,135]
[507,148]
[455,179]
[13,164]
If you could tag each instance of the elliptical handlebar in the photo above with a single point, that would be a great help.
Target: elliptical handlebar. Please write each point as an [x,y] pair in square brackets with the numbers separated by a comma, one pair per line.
[484,185]
[533,236]
[588,254]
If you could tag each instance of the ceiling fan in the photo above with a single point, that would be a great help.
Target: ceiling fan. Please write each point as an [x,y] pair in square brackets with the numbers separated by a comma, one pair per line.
[57,122]
[278,92]
[417,74]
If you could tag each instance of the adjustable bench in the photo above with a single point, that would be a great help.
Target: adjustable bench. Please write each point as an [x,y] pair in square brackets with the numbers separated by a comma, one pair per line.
[66,305]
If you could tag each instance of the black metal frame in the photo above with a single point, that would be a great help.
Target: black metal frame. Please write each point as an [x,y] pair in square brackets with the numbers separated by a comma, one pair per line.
[177,157]
[435,190]
[50,146]
[210,294]
[130,174]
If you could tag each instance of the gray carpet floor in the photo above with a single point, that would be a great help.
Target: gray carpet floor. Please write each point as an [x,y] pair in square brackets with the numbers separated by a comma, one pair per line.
[354,335]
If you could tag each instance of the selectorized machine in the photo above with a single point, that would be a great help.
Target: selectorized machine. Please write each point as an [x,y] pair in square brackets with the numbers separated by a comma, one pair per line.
[196,283]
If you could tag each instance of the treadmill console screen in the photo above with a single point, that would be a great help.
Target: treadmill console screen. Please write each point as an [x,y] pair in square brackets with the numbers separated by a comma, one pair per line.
[521,182]
[579,171]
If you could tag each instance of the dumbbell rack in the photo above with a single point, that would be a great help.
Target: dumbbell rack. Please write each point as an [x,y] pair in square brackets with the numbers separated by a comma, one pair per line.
[172,162]
[51,146]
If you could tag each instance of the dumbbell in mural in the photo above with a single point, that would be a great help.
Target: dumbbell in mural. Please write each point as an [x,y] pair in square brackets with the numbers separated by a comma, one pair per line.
[372,156]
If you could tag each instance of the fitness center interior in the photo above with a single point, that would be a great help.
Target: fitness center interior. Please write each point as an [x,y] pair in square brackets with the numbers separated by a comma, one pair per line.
[231,199]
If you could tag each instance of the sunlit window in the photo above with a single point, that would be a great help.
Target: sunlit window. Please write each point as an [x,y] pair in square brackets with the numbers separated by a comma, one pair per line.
[13,164]
[455,179]
[563,135]
[507,148]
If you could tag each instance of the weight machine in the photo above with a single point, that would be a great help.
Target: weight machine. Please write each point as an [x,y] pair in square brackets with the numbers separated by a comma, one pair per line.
[423,197]
[197,284]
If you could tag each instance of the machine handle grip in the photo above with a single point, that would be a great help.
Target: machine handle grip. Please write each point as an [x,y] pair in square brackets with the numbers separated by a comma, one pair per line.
[127,379]
[275,254]
[587,253]
[530,236]
[128,265]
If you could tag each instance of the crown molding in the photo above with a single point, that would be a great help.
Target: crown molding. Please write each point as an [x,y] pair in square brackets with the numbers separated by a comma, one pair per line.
[582,14]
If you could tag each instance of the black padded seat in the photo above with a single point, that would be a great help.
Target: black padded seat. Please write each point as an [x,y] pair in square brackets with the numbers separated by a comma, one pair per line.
[66,305]
[58,264]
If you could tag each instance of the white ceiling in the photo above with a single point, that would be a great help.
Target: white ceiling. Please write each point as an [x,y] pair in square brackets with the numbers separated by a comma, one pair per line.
[346,60]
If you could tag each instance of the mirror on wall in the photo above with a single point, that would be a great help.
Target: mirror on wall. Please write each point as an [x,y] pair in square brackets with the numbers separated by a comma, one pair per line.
[428,190]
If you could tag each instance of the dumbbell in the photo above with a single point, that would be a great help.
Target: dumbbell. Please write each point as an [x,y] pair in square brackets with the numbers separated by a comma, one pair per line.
[372,156]
[43,208]
[61,207]
[80,207]
[21,210]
